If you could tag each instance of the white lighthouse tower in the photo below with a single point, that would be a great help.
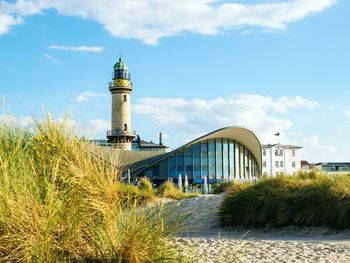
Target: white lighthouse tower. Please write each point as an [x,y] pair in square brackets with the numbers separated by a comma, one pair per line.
[121,134]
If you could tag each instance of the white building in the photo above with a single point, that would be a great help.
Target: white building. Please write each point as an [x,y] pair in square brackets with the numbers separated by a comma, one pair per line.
[278,158]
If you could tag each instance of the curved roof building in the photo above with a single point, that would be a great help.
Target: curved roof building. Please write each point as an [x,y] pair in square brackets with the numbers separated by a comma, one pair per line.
[227,153]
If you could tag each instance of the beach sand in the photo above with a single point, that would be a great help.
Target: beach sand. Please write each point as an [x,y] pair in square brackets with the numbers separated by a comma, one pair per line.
[207,242]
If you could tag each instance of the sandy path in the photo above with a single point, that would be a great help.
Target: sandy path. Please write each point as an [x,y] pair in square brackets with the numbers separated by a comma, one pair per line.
[209,243]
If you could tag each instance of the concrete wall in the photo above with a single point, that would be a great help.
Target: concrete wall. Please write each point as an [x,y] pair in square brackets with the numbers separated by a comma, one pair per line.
[121,111]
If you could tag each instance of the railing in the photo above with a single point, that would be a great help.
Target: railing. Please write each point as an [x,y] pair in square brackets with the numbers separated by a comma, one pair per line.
[121,133]
[111,84]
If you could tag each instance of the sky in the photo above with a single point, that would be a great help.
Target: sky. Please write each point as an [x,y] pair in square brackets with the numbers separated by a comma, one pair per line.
[197,66]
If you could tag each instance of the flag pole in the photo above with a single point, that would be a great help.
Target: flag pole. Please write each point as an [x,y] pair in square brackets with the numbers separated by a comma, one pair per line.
[278,135]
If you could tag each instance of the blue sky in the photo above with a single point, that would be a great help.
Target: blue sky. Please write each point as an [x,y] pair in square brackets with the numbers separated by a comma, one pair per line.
[197,65]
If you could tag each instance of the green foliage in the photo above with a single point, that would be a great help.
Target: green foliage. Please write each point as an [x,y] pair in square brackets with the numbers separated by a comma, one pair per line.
[306,199]
[60,202]
[220,187]
[169,190]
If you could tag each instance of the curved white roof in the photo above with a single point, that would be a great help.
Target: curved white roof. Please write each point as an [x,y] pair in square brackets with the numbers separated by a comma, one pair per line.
[240,134]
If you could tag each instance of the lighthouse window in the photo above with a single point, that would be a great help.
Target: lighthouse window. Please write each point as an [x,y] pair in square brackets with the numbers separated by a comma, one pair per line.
[125,127]
[125,98]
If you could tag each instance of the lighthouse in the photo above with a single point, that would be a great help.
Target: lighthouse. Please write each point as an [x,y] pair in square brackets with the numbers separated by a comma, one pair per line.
[121,135]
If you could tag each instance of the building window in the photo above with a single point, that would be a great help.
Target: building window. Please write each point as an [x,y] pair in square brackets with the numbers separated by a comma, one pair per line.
[277,164]
[281,164]
[264,163]
[218,143]
[189,161]
[293,153]
[276,152]
[281,152]
[172,166]
[196,160]
[125,98]
[125,127]
[204,158]
[264,152]
[180,161]
[293,164]
[212,155]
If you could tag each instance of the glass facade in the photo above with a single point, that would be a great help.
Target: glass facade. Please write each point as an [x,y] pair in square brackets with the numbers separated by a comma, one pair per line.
[217,159]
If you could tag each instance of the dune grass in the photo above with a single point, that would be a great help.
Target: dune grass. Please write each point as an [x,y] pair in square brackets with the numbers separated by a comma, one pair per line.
[306,199]
[60,202]
[169,190]
[221,187]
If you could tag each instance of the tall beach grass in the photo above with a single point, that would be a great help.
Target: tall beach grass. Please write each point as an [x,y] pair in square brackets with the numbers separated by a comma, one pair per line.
[307,199]
[169,190]
[60,202]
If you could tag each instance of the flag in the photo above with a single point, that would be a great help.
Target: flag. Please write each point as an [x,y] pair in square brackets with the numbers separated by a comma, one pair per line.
[277,134]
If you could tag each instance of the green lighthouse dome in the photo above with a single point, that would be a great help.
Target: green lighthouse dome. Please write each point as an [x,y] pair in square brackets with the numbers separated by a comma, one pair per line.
[120,65]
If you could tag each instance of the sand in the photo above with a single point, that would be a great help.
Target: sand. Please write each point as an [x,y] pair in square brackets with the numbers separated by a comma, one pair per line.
[204,240]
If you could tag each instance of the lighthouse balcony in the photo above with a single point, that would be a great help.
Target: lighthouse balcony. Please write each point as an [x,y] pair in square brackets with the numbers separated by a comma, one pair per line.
[120,133]
[112,84]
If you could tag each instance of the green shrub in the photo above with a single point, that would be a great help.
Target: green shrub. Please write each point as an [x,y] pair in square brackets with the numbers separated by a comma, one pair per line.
[60,202]
[169,190]
[310,199]
[220,187]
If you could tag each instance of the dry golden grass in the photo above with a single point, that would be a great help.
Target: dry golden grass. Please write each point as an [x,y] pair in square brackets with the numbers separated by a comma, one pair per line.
[60,202]
[307,199]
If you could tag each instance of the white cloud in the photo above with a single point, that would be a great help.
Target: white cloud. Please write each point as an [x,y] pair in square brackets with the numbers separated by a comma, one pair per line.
[314,142]
[6,21]
[21,121]
[189,118]
[347,112]
[52,59]
[78,48]
[99,125]
[84,96]
[151,20]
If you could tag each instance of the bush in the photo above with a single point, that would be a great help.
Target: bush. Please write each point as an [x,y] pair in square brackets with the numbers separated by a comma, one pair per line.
[146,184]
[220,187]
[306,199]
[60,202]
[169,190]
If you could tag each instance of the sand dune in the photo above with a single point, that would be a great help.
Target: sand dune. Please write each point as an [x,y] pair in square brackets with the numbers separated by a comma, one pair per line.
[204,239]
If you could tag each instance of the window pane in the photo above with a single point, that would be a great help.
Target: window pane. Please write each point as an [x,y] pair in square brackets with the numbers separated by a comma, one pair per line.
[204,159]
[180,159]
[172,166]
[232,159]
[225,158]
[189,161]
[155,172]
[219,158]
[237,160]
[163,169]
[241,159]
[149,172]
[211,155]
[197,160]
